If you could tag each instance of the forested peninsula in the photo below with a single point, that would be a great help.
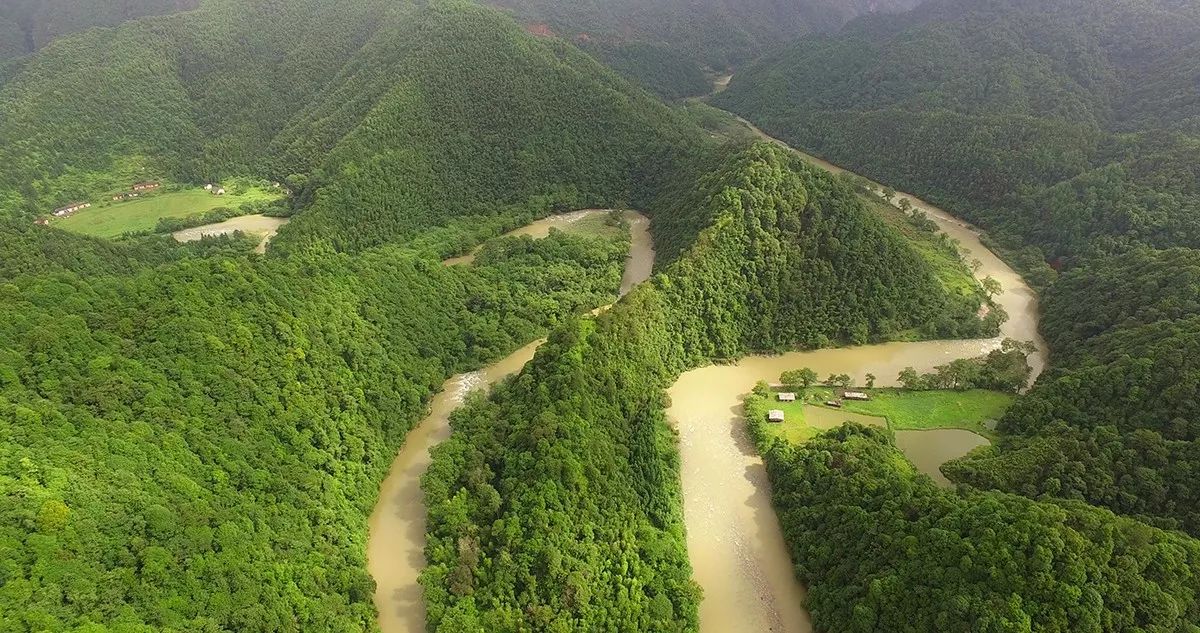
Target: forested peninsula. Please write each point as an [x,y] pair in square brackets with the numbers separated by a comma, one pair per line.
[1039,122]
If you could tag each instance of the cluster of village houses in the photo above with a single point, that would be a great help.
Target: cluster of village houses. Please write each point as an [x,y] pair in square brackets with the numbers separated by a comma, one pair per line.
[135,191]
[776,415]
[75,207]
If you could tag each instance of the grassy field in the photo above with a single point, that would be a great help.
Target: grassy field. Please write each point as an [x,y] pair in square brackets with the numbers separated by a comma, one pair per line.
[898,409]
[804,420]
[141,214]
[954,276]
[597,225]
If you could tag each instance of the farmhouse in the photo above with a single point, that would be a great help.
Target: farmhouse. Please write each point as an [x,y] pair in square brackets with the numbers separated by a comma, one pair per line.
[208,187]
[775,415]
[855,395]
[837,404]
[125,196]
[41,222]
[219,191]
[145,186]
[63,212]
[787,396]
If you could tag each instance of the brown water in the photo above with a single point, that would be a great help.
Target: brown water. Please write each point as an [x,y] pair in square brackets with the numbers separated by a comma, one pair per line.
[929,449]
[734,541]
[396,530]
[260,225]
[396,537]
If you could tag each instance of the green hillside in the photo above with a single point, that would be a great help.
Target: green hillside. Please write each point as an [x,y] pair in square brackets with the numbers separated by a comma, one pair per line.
[375,115]
[578,442]
[1067,129]
[673,46]
[1036,119]
[953,560]
[29,25]
[196,434]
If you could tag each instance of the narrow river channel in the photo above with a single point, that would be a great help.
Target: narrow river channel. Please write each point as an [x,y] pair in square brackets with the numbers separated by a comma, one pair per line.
[396,530]
[734,540]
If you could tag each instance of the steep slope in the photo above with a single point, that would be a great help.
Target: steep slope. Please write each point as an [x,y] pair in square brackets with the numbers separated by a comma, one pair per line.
[196,433]
[1119,424]
[378,110]
[1068,130]
[990,105]
[29,25]
[573,134]
[555,504]
[666,44]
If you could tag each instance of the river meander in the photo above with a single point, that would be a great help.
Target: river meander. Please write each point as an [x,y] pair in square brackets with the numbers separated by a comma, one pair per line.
[734,540]
[396,530]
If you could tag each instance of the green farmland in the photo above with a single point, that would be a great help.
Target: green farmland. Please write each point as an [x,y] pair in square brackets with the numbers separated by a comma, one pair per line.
[142,214]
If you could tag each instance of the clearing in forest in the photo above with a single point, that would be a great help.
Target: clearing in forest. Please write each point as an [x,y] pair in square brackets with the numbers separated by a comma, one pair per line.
[142,214]
[973,410]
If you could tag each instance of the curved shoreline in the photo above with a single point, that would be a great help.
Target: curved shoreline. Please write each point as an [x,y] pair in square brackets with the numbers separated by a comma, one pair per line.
[396,528]
[735,543]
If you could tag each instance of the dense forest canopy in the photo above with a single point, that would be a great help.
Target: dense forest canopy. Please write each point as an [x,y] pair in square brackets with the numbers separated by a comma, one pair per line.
[373,104]
[29,25]
[194,434]
[1118,423]
[1068,130]
[1035,118]
[672,46]
[885,549]
[555,504]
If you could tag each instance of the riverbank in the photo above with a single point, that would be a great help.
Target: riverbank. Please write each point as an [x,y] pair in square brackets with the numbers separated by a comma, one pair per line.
[735,544]
[396,529]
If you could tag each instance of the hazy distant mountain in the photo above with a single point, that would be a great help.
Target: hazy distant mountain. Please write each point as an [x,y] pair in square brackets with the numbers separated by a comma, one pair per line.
[27,25]
[994,101]
[665,43]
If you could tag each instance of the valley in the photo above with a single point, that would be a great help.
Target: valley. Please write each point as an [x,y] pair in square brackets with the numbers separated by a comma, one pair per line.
[735,544]
[447,380]
[396,536]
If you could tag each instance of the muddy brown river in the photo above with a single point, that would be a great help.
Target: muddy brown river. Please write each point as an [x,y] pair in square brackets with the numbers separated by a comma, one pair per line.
[396,530]
[734,540]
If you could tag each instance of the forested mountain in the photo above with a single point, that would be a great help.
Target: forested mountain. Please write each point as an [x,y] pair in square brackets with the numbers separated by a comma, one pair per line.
[28,25]
[1118,423]
[376,106]
[668,44]
[555,504]
[194,436]
[1066,124]
[1068,130]
[196,445]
